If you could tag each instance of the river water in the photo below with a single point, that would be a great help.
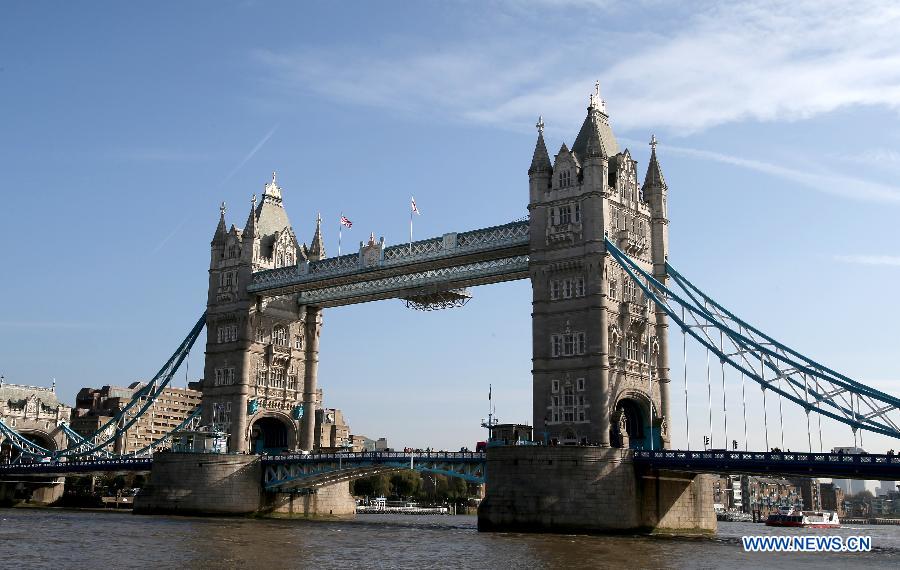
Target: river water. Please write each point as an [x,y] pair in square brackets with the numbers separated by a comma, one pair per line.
[49,538]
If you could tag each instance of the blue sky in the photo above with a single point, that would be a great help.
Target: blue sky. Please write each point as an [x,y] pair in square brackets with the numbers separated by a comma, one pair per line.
[123,126]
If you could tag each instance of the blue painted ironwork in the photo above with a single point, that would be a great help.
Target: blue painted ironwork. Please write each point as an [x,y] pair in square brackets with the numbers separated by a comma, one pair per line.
[845,466]
[140,402]
[48,467]
[295,471]
[453,249]
[441,278]
[811,386]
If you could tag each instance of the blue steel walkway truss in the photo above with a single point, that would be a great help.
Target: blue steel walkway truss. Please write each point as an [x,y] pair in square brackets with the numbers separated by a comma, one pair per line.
[296,471]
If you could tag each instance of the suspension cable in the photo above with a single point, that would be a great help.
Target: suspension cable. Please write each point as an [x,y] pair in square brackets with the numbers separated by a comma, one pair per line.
[709,399]
[724,406]
[687,423]
[650,377]
[762,370]
[806,409]
[781,413]
[744,402]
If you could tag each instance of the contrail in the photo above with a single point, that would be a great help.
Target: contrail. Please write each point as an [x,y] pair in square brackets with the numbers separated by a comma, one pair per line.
[234,171]
[258,146]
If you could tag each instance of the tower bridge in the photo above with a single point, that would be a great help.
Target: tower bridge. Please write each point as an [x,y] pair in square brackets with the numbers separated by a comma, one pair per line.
[595,248]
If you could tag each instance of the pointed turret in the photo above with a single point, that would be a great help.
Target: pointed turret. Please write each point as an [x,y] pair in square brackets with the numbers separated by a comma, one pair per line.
[221,231]
[316,249]
[250,226]
[540,162]
[654,178]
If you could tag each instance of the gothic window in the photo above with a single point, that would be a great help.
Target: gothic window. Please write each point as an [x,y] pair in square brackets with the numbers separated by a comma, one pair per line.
[232,251]
[565,178]
[260,335]
[262,375]
[555,407]
[298,342]
[577,212]
[227,333]
[565,214]
[629,290]
[554,386]
[554,290]
[613,289]
[579,286]
[279,336]
[632,348]
[567,288]
[277,377]
[568,404]
[568,344]
[579,385]
[224,376]
[292,378]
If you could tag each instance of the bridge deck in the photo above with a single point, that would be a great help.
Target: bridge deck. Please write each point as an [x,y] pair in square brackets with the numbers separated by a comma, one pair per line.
[842,466]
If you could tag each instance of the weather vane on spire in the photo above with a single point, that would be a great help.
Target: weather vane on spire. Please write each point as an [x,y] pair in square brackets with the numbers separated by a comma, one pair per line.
[653,142]
[273,179]
[253,201]
[540,124]
[222,209]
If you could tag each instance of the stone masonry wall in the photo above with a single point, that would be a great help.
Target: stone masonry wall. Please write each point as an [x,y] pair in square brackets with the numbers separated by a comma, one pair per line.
[192,483]
[328,501]
[588,489]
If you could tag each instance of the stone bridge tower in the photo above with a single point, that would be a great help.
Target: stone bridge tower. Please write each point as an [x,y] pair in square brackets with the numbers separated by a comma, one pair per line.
[600,357]
[261,353]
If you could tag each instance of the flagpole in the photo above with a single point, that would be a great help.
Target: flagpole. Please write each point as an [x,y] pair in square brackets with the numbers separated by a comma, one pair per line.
[340,232]
[411,202]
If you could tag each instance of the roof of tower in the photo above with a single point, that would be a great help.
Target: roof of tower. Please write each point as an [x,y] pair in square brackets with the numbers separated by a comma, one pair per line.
[317,246]
[654,176]
[270,215]
[595,131]
[219,236]
[540,162]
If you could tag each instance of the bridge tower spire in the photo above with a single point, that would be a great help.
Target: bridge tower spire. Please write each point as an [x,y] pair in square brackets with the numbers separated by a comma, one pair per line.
[594,337]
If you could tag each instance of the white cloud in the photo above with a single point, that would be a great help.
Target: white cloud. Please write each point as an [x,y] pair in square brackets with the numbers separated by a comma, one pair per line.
[888,260]
[713,64]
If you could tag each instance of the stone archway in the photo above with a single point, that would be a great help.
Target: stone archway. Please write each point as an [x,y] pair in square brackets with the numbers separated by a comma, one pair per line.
[272,433]
[631,422]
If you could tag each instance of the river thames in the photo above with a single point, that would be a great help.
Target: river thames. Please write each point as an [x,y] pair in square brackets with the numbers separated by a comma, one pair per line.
[49,538]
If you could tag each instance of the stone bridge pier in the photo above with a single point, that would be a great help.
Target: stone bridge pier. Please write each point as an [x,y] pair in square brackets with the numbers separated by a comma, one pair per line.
[590,489]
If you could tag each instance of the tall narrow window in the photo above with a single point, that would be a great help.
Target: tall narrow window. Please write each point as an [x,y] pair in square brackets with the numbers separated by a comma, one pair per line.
[577,212]
[556,345]
[554,290]
[613,289]
[279,336]
[298,342]
[567,288]
[579,286]
[565,214]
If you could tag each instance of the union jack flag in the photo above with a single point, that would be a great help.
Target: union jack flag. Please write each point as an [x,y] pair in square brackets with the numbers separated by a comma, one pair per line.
[346,222]
[413,204]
